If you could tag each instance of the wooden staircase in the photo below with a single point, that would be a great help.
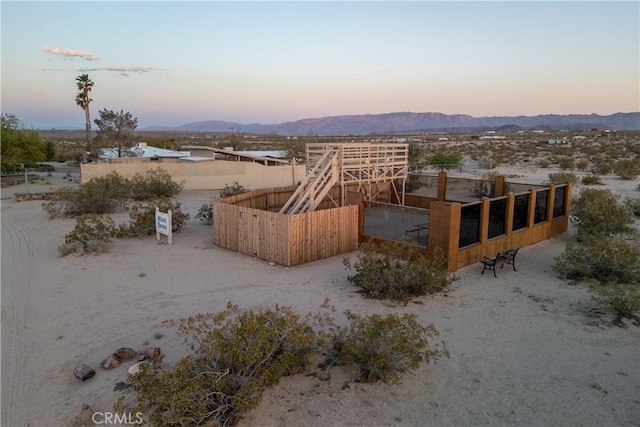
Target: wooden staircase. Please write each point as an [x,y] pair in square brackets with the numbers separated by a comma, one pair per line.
[324,175]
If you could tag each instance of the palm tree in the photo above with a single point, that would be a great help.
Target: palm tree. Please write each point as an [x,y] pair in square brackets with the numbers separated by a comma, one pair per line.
[85,84]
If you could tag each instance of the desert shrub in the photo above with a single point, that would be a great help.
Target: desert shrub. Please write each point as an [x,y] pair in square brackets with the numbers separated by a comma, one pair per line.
[442,160]
[591,179]
[205,213]
[97,246]
[105,194]
[561,150]
[398,271]
[155,182]
[98,196]
[544,163]
[232,190]
[92,246]
[380,348]
[597,212]
[236,358]
[605,259]
[142,217]
[582,164]
[566,163]
[70,248]
[91,234]
[633,204]
[59,202]
[601,166]
[624,301]
[562,178]
[626,169]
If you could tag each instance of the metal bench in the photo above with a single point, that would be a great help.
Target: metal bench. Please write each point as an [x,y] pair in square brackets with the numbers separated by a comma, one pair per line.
[502,258]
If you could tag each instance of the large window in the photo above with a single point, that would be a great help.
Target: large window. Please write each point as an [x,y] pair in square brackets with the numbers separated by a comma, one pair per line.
[469,225]
[520,212]
[542,201]
[558,201]
[497,217]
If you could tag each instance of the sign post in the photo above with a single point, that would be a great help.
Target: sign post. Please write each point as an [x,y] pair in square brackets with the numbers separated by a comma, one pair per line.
[163,224]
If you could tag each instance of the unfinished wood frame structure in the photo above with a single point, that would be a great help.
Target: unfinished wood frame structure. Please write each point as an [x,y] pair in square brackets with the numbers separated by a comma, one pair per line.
[373,168]
[320,217]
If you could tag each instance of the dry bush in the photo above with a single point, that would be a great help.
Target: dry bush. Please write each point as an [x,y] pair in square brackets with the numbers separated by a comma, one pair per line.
[591,179]
[597,212]
[562,178]
[142,217]
[232,190]
[606,259]
[92,233]
[622,300]
[382,348]
[236,356]
[398,271]
[627,169]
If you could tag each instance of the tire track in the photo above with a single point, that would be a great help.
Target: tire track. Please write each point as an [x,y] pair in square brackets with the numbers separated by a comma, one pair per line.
[16,257]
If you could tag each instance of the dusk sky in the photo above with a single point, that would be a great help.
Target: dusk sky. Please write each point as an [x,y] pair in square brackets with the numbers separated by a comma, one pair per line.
[171,63]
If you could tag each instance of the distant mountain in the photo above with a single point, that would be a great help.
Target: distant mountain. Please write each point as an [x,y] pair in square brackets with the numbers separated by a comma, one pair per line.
[407,122]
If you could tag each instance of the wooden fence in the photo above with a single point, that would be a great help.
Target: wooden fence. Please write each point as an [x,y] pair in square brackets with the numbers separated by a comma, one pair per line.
[250,224]
[535,223]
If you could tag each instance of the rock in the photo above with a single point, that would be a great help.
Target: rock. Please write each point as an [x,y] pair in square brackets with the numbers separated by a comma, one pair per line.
[110,362]
[84,417]
[125,353]
[135,369]
[83,372]
[324,376]
[153,353]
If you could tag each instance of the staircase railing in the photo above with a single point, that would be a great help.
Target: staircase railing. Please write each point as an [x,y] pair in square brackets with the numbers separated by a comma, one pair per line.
[316,185]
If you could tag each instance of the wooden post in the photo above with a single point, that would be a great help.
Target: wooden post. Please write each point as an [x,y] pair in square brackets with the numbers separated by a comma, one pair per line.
[442,186]
[532,208]
[170,227]
[511,202]
[293,171]
[484,220]
[498,190]
[154,219]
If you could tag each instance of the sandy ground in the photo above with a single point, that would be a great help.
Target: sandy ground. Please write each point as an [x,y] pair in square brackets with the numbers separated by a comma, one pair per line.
[527,348]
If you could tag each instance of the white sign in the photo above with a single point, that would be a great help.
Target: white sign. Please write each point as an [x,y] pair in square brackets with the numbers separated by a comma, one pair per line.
[163,224]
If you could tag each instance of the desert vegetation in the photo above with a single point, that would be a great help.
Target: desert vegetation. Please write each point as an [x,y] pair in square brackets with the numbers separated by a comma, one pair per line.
[93,201]
[605,253]
[237,355]
[398,271]
[20,147]
[205,212]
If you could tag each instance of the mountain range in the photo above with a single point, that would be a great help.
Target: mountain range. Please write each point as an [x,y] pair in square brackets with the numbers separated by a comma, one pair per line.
[407,122]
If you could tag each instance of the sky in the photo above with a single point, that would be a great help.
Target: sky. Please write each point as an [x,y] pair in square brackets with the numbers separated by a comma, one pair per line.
[170,63]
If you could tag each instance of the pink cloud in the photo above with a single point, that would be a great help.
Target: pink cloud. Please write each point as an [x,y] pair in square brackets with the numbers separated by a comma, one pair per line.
[124,71]
[70,53]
